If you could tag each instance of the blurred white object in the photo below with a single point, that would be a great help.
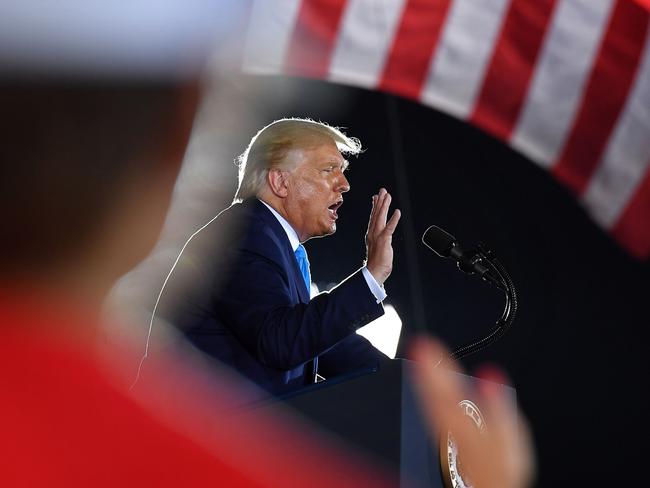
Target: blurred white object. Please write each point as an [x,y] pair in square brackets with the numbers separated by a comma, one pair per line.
[138,38]
[383,333]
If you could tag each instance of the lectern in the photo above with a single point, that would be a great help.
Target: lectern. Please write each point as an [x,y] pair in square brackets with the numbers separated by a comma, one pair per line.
[376,412]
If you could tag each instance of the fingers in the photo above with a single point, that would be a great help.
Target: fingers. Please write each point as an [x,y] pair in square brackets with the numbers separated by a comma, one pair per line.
[379,214]
[384,204]
[496,403]
[373,213]
[392,223]
[377,202]
[501,456]
[508,428]
[439,390]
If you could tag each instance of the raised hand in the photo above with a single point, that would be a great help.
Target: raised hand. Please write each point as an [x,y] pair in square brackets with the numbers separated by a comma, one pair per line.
[379,238]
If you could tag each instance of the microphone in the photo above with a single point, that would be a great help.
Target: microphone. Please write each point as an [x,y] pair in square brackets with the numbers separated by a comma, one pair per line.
[483,263]
[446,246]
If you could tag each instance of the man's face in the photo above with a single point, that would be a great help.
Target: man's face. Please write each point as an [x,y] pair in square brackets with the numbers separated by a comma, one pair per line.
[315,188]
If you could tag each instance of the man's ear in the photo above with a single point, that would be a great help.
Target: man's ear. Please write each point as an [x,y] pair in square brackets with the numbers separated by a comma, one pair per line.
[278,181]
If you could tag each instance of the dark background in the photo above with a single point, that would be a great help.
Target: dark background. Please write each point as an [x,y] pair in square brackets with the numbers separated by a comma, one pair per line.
[576,353]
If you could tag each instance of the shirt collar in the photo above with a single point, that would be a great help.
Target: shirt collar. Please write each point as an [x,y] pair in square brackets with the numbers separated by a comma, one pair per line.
[291,234]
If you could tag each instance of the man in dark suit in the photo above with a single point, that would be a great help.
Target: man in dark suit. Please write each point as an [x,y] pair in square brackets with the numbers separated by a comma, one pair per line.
[245,294]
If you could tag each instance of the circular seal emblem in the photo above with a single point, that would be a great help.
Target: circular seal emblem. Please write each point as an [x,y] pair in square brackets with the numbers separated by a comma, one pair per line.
[454,473]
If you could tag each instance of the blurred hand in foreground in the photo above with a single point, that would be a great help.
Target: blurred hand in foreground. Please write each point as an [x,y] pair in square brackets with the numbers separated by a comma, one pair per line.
[499,457]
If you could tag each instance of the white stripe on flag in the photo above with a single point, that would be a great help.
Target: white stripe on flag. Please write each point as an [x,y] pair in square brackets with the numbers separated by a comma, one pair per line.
[563,68]
[269,32]
[365,38]
[627,155]
[464,51]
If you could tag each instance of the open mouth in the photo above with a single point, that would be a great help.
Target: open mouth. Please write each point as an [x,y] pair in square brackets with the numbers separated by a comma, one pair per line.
[333,209]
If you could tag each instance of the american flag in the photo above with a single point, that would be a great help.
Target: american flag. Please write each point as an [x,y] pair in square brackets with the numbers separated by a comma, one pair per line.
[564,82]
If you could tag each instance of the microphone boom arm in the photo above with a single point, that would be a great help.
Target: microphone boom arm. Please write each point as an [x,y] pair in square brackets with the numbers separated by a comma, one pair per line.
[510,310]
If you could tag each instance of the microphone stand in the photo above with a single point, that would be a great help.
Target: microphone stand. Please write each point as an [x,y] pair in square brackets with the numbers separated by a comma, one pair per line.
[504,323]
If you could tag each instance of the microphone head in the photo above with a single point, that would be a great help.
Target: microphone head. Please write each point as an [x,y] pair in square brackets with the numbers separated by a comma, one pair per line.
[439,241]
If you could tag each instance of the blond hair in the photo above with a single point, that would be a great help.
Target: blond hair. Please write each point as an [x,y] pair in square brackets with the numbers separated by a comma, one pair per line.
[269,147]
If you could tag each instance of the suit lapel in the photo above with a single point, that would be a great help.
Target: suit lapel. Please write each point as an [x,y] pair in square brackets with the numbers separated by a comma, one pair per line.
[293,270]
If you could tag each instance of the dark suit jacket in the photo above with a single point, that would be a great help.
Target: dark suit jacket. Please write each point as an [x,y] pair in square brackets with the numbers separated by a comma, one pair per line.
[244,302]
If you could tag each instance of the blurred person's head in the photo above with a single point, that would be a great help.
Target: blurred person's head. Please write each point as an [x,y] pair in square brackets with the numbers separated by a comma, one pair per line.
[97,102]
[297,166]
[87,173]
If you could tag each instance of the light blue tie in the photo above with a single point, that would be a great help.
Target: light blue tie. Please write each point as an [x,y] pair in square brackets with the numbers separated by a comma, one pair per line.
[303,264]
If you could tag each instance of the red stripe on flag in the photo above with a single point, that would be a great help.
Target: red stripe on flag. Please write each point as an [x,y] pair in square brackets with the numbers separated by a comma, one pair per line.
[604,97]
[412,50]
[633,228]
[513,61]
[313,38]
